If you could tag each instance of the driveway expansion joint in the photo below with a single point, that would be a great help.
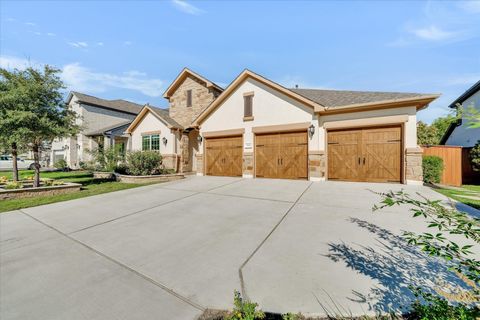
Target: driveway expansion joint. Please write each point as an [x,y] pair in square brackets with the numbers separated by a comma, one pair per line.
[152,281]
[240,270]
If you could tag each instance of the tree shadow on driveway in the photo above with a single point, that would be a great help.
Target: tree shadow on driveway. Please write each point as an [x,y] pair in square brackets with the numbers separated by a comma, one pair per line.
[395,265]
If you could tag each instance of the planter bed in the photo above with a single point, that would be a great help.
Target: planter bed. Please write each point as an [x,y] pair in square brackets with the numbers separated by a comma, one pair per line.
[149,179]
[40,191]
[103,175]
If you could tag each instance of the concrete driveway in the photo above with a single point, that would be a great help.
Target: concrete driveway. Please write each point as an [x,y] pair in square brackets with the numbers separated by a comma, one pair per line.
[169,251]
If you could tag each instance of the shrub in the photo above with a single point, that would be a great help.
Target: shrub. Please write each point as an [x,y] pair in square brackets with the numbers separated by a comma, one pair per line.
[3,179]
[244,310]
[432,169]
[475,156]
[13,185]
[142,163]
[61,164]
[105,159]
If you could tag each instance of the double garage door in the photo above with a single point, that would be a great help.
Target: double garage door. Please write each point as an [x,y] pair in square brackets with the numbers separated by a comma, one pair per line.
[353,155]
[277,155]
[365,155]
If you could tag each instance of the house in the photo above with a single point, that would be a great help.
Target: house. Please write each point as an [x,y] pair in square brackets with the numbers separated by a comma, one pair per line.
[102,122]
[258,128]
[459,133]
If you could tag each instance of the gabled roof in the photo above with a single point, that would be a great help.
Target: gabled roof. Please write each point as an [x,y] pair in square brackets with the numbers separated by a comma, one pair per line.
[239,80]
[467,94]
[117,105]
[182,76]
[161,114]
[340,99]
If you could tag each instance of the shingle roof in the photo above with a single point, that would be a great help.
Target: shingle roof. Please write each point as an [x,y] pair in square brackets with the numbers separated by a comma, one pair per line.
[109,128]
[340,98]
[119,105]
[164,114]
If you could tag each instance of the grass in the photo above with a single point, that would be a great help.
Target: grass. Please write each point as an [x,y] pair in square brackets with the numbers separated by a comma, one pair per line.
[467,190]
[90,187]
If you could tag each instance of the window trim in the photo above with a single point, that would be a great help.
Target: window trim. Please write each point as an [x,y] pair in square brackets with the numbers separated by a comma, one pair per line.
[248,99]
[150,137]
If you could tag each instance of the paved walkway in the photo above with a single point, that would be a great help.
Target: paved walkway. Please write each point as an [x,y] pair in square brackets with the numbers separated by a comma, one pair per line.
[169,251]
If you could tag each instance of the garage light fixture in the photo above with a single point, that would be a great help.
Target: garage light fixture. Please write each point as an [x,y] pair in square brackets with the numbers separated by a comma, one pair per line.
[199,139]
[311,130]
[164,140]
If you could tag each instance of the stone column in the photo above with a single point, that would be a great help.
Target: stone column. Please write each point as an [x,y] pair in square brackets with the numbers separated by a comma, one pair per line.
[316,165]
[185,153]
[413,166]
[199,159]
[248,165]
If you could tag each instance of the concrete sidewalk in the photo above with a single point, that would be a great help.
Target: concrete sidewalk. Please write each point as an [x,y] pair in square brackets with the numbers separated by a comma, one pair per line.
[168,251]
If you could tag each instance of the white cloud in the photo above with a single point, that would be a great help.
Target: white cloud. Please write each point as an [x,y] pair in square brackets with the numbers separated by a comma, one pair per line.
[84,79]
[51,34]
[11,19]
[78,44]
[470,6]
[9,62]
[433,33]
[100,44]
[127,43]
[37,33]
[30,24]
[186,7]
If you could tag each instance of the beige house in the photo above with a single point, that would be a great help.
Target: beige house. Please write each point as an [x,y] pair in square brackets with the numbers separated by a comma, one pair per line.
[257,128]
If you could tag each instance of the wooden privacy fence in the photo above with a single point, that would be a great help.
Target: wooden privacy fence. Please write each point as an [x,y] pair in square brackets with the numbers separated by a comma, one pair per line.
[452,163]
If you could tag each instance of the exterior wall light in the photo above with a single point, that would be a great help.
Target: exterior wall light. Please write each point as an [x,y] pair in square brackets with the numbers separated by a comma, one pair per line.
[164,140]
[199,139]
[311,130]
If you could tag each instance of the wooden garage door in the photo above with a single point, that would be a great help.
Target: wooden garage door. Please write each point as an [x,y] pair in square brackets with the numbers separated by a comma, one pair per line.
[373,155]
[224,156]
[281,155]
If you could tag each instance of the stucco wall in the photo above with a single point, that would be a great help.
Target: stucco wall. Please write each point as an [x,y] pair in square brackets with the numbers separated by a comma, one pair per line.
[410,134]
[269,108]
[151,123]
[463,135]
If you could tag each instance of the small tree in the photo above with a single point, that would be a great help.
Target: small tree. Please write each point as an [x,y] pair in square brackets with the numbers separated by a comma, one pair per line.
[426,135]
[475,156]
[33,103]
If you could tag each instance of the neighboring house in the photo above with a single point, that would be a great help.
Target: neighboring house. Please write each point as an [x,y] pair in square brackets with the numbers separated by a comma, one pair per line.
[257,128]
[102,123]
[459,133]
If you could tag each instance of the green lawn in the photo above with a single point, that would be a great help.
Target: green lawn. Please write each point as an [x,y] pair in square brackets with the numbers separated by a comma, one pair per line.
[90,187]
[467,190]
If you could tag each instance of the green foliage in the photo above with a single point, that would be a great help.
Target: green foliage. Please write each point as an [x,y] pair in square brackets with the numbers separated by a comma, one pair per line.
[32,109]
[11,185]
[143,163]
[445,221]
[432,307]
[106,160]
[432,169]
[292,316]
[475,156]
[432,134]
[244,310]
[3,179]
[61,164]
[52,182]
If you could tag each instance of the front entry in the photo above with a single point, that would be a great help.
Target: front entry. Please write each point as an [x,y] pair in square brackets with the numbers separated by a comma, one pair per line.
[224,156]
[373,155]
[281,155]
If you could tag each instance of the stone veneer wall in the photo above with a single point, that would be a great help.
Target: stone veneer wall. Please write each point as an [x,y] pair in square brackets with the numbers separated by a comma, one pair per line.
[199,159]
[248,164]
[316,164]
[170,161]
[413,164]
[201,98]
[185,163]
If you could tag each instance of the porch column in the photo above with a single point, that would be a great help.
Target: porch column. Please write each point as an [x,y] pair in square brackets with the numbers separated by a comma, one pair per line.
[185,154]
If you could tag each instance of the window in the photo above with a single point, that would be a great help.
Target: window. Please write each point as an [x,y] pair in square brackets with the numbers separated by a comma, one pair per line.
[151,142]
[189,98]
[248,106]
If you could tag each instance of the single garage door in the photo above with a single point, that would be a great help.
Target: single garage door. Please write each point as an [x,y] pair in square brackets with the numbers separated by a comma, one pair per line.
[281,155]
[224,156]
[373,155]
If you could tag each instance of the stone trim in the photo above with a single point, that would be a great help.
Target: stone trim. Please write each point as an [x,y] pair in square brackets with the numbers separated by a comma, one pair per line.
[343,124]
[222,133]
[68,187]
[247,94]
[251,118]
[282,127]
[148,133]
[413,165]
[316,165]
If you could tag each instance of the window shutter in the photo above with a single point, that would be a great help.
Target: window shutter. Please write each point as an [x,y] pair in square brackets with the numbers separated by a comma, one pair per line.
[189,98]
[247,106]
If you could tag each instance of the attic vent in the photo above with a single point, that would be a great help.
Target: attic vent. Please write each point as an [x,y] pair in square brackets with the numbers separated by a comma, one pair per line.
[189,98]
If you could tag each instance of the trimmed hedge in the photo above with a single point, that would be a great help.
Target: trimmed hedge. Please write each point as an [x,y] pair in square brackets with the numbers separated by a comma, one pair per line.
[432,169]
[143,163]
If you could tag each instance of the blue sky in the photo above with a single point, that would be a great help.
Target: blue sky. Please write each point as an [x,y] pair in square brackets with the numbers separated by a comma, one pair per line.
[133,50]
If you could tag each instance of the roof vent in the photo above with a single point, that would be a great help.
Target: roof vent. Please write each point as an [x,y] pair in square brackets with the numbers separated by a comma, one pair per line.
[296,86]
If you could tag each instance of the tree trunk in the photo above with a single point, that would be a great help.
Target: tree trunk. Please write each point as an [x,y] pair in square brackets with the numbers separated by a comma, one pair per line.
[14,161]
[36,180]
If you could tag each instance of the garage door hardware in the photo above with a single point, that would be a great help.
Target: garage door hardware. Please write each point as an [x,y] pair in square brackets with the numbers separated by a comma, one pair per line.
[397,140]
[333,143]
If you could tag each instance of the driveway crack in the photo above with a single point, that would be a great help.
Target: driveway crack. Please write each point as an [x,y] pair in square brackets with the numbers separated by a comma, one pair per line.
[240,270]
